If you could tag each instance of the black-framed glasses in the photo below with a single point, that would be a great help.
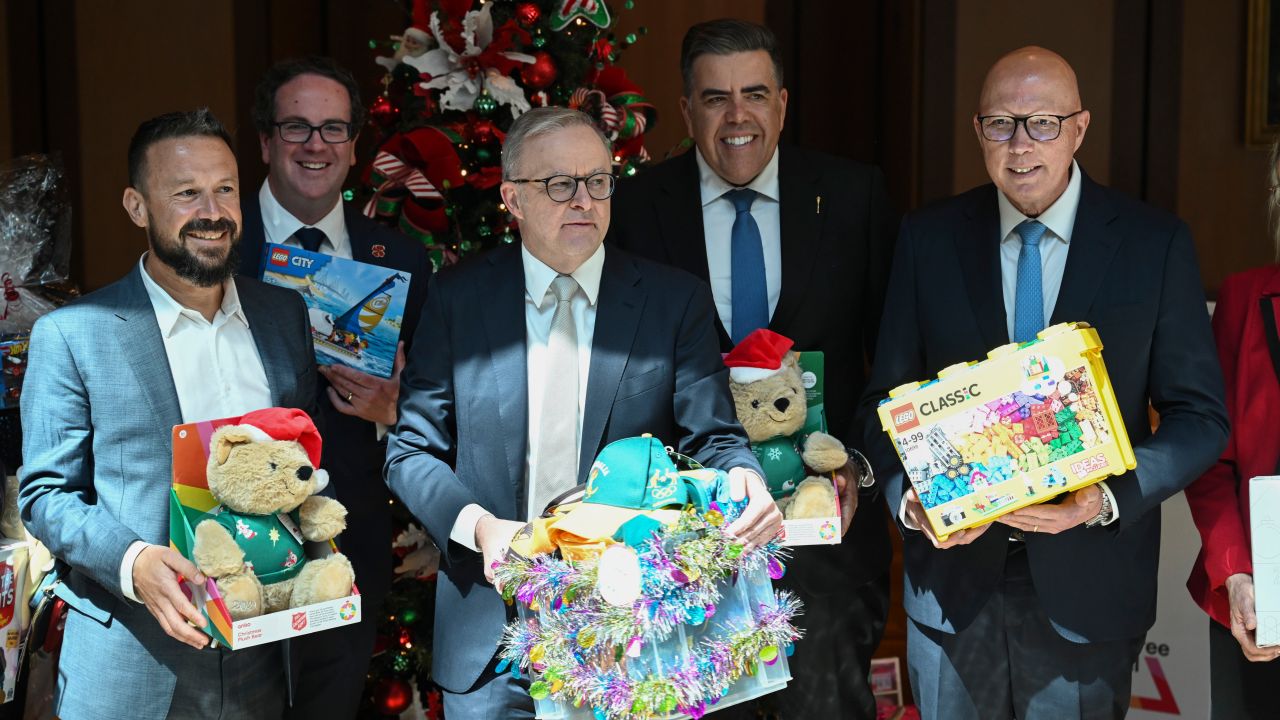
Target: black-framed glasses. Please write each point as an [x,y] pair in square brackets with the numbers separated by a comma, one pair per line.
[333,132]
[1041,128]
[562,188]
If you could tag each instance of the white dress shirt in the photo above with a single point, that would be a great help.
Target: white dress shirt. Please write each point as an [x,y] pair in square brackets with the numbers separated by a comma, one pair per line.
[215,366]
[539,308]
[718,214]
[280,225]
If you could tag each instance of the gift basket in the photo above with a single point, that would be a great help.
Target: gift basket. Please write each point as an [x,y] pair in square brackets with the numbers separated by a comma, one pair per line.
[635,603]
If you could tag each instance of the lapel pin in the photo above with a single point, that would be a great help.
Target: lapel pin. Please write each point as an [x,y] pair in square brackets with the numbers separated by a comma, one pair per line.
[379,250]
[819,210]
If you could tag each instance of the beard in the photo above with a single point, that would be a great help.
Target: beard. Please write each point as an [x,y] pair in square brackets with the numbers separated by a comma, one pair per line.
[202,269]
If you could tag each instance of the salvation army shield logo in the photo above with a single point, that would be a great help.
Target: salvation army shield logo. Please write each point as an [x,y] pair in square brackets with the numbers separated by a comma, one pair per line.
[299,621]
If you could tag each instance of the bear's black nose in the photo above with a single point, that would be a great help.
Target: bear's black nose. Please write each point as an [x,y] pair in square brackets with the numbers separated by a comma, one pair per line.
[304,473]
[782,404]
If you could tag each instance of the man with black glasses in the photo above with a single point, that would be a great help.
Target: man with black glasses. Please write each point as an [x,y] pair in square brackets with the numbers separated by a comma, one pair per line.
[308,114]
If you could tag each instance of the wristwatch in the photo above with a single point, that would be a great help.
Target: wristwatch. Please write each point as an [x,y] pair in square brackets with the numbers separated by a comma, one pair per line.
[860,461]
[1104,514]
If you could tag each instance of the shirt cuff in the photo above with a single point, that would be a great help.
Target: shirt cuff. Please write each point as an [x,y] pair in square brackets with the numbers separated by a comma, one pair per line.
[464,528]
[905,518]
[126,569]
[382,430]
[1115,509]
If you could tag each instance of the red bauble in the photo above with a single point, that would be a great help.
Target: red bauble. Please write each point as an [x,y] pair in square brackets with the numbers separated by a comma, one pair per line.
[540,73]
[528,13]
[392,696]
[383,112]
[483,132]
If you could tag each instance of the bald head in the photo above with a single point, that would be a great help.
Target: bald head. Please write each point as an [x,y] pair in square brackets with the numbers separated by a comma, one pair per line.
[1031,70]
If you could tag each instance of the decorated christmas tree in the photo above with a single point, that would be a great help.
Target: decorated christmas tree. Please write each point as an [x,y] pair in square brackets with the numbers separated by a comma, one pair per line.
[456,79]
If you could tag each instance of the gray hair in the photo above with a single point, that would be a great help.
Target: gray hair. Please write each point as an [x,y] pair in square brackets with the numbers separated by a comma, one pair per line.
[1273,197]
[543,121]
[726,37]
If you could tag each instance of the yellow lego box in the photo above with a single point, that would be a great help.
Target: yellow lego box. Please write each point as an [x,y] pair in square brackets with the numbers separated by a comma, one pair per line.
[1030,422]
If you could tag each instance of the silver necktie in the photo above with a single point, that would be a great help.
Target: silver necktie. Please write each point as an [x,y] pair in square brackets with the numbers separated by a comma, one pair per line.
[557,458]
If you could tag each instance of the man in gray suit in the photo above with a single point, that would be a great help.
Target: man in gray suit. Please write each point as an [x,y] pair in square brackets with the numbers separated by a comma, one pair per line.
[528,360]
[176,340]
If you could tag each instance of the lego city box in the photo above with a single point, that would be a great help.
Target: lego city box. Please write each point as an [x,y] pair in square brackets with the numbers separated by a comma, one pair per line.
[1030,422]
[190,502]
[1264,530]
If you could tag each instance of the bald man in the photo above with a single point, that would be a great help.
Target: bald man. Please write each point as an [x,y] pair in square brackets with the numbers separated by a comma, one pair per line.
[1042,614]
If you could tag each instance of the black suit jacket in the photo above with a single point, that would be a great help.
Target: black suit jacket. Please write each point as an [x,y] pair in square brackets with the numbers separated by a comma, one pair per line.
[834,266]
[353,455]
[1131,272]
[463,430]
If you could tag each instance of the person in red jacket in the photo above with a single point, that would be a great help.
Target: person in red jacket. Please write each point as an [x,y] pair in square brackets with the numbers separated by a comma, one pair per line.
[1221,582]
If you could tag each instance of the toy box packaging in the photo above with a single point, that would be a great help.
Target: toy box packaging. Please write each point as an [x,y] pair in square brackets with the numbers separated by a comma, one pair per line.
[189,501]
[1264,521]
[820,530]
[14,615]
[1030,422]
[355,308]
[13,367]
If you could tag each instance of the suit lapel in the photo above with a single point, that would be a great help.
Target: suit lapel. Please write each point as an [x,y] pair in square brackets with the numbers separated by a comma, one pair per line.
[361,248]
[679,212]
[265,327]
[253,237]
[978,247]
[800,226]
[618,311]
[501,300]
[1093,245]
[140,343]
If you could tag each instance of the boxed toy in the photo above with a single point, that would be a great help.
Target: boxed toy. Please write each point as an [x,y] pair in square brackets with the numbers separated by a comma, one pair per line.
[14,615]
[13,367]
[252,542]
[1264,522]
[355,308]
[1030,422]
[778,398]
[634,604]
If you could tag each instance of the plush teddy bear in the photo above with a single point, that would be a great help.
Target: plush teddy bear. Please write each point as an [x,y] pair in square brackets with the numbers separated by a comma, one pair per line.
[263,473]
[769,395]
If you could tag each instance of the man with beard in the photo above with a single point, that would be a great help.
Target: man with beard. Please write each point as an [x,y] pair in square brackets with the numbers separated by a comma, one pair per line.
[176,340]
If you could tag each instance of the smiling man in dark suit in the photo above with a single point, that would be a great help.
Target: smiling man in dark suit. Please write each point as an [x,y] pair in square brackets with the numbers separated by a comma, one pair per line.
[1042,614]
[308,115]
[530,359]
[798,242]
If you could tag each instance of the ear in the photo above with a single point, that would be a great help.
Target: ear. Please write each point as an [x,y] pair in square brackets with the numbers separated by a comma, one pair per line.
[792,359]
[135,205]
[782,95]
[684,113]
[1082,124]
[265,139]
[977,131]
[511,196]
[226,439]
[354,140]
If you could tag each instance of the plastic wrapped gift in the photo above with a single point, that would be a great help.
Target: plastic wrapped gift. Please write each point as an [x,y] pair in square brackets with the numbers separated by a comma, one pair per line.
[1030,422]
[664,616]
[35,240]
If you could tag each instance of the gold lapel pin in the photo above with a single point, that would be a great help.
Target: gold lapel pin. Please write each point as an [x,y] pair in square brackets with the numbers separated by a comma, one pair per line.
[819,210]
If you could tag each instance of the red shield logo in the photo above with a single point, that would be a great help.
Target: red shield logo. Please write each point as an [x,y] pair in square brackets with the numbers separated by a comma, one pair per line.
[299,621]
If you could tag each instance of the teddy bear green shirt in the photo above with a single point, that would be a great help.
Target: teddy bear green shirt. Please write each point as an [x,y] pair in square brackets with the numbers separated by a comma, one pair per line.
[780,459]
[271,548]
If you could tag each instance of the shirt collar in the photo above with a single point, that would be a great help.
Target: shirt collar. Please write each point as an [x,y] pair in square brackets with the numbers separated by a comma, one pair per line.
[168,310]
[280,224]
[714,187]
[538,276]
[1059,218]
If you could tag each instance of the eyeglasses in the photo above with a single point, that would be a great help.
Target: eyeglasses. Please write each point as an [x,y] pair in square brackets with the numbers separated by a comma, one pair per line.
[1041,128]
[562,188]
[333,133]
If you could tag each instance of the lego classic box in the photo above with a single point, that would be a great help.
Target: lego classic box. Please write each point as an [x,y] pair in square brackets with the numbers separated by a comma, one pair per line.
[1264,522]
[1030,422]
[189,503]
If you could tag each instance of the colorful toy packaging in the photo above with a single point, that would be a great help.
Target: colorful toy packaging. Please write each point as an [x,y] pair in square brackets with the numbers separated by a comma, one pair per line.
[14,615]
[13,367]
[1264,521]
[635,604]
[1030,422]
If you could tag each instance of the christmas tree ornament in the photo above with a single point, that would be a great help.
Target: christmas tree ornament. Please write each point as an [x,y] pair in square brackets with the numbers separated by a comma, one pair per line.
[485,104]
[383,112]
[541,72]
[392,696]
[409,616]
[528,13]
[578,11]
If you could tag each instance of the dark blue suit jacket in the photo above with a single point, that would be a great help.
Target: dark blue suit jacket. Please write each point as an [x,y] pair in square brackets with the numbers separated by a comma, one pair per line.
[1131,272]
[463,431]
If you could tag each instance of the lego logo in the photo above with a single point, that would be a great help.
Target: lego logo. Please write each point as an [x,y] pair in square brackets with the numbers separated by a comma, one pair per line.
[299,621]
[904,418]
[279,257]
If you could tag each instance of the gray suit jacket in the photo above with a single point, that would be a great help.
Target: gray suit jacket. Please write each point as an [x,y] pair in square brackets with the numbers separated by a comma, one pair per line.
[98,409]
[463,431]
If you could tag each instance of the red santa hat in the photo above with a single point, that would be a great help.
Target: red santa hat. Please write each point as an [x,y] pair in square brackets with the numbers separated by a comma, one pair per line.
[758,356]
[286,424]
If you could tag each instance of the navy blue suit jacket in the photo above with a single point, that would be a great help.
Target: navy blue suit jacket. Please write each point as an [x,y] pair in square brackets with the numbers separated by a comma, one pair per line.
[1131,273]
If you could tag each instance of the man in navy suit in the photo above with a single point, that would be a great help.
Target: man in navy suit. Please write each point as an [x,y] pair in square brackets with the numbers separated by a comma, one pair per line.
[308,115]
[533,357]
[1042,614]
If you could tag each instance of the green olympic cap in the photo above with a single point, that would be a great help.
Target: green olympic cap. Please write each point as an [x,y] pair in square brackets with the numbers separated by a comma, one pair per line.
[635,473]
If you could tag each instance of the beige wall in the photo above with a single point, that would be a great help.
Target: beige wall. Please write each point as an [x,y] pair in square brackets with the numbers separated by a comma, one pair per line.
[163,55]
[987,30]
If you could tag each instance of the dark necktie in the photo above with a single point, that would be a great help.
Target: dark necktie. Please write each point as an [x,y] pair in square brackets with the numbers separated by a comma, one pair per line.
[749,296]
[311,238]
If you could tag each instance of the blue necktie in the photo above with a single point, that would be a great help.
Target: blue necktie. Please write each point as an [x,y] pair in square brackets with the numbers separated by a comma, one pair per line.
[1028,298]
[310,238]
[749,293]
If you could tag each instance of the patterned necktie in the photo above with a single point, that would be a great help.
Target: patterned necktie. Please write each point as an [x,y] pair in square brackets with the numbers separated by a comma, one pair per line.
[749,293]
[311,238]
[1028,302]
[558,429]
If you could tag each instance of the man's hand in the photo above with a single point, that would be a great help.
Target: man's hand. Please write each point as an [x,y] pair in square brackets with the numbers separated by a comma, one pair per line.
[155,582]
[493,537]
[761,521]
[1076,508]
[365,396]
[960,537]
[847,480]
[1244,620]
